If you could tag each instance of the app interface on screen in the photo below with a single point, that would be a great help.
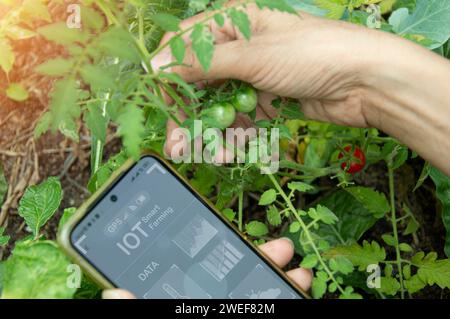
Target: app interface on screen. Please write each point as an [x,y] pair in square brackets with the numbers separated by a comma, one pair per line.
[159,241]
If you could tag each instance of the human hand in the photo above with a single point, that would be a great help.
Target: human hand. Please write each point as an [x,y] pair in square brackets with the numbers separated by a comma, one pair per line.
[292,56]
[280,251]
[340,72]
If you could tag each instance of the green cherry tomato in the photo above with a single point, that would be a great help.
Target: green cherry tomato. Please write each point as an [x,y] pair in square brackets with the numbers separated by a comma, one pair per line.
[222,113]
[245,100]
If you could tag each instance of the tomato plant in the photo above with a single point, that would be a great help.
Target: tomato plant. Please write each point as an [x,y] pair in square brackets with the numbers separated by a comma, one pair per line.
[103,86]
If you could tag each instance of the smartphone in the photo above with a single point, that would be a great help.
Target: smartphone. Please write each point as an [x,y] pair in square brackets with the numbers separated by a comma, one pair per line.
[151,233]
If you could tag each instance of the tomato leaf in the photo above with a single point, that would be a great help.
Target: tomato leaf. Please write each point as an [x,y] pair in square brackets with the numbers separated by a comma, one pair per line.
[178,49]
[268,197]
[4,239]
[256,228]
[411,227]
[300,186]
[389,286]
[203,45]
[318,153]
[204,180]
[229,214]
[343,265]
[430,19]
[359,256]
[7,56]
[318,287]
[55,67]
[389,239]
[198,5]
[131,129]
[105,171]
[97,77]
[59,33]
[36,270]
[405,247]
[88,290]
[91,18]
[280,5]
[39,203]
[67,214]
[323,214]
[433,271]
[220,20]
[349,294]
[375,202]
[335,9]
[294,227]
[186,88]
[63,109]
[273,216]
[396,153]
[241,20]
[17,92]
[310,261]
[423,175]
[414,284]
[15,32]
[166,21]
[33,10]
[117,42]
[353,220]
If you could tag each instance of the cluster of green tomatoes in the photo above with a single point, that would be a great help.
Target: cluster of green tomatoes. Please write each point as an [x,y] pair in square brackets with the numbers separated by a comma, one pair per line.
[222,111]
[223,104]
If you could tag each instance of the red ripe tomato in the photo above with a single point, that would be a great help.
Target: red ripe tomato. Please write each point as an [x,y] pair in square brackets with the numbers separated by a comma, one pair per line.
[354,163]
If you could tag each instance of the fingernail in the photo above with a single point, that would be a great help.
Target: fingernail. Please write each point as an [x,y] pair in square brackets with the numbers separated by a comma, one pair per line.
[160,60]
[289,240]
[116,294]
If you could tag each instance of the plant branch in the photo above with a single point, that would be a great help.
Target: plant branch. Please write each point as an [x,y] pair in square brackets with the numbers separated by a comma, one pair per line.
[240,211]
[394,227]
[306,231]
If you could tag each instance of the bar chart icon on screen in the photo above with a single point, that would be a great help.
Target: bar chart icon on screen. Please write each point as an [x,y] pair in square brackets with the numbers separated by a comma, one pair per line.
[221,260]
[194,236]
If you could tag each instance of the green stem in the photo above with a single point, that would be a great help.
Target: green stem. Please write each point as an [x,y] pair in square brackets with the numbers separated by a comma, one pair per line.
[145,55]
[382,296]
[305,231]
[311,223]
[404,261]
[107,11]
[141,26]
[240,211]
[98,144]
[402,218]
[394,227]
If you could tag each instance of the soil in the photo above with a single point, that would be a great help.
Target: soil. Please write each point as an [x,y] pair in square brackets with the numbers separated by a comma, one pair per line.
[27,161]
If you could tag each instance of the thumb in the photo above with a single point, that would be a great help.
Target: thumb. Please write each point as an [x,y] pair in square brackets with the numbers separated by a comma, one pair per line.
[230,61]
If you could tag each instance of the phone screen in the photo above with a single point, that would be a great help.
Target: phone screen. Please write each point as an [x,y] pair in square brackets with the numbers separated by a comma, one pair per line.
[150,234]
